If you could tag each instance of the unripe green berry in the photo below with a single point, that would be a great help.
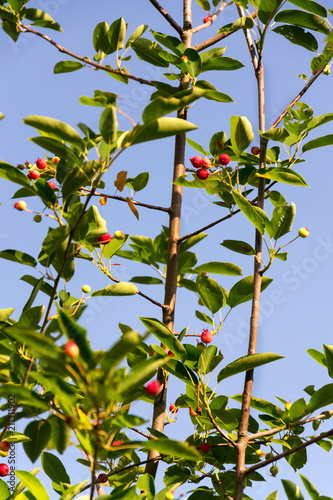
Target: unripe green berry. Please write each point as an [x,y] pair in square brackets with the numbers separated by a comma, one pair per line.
[86,288]
[274,470]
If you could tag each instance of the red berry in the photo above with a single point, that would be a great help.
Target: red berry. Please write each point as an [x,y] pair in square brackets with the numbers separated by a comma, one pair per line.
[153,387]
[206,336]
[104,238]
[102,478]
[20,205]
[206,19]
[202,173]
[117,443]
[170,353]
[72,349]
[4,445]
[173,408]
[196,161]
[52,184]
[205,447]
[255,150]
[33,175]
[4,470]
[205,163]
[192,412]
[41,164]
[224,159]
[199,410]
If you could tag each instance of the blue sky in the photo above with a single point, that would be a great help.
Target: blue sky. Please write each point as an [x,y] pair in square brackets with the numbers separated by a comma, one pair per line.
[296,308]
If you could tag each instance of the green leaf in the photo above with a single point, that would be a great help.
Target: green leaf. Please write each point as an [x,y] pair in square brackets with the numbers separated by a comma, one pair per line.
[58,148]
[116,36]
[136,34]
[197,146]
[241,23]
[149,51]
[156,129]
[273,496]
[204,4]
[19,257]
[280,174]
[139,182]
[292,490]
[42,19]
[219,268]
[39,432]
[4,490]
[54,468]
[203,317]
[321,397]
[211,293]
[282,220]
[99,35]
[267,10]
[239,246]
[250,212]
[125,420]
[246,363]
[311,6]
[67,66]
[298,36]
[276,134]
[192,63]
[221,64]
[55,129]
[191,241]
[121,288]
[303,19]
[13,174]
[140,374]
[164,105]
[6,313]
[108,125]
[319,120]
[170,42]
[165,336]
[328,351]
[309,487]
[326,140]
[146,280]
[242,291]
[241,133]
[146,484]
[24,396]
[177,449]
[32,484]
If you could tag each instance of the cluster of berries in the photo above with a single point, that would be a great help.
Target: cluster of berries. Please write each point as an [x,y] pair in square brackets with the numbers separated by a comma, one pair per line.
[203,164]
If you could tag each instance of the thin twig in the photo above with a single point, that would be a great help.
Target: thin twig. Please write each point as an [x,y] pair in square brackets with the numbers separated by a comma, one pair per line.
[220,36]
[121,198]
[288,452]
[220,431]
[84,60]
[212,19]
[167,16]
[269,432]
[148,436]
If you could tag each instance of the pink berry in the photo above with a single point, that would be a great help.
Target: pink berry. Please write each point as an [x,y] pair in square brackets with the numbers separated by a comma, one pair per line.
[72,349]
[52,184]
[4,470]
[117,443]
[196,161]
[20,205]
[202,173]
[102,478]
[206,19]
[153,387]
[33,175]
[173,408]
[104,238]
[41,163]
[205,447]
[205,163]
[206,336]
[224,159]
[55,159]
[255,150]
[4,445]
